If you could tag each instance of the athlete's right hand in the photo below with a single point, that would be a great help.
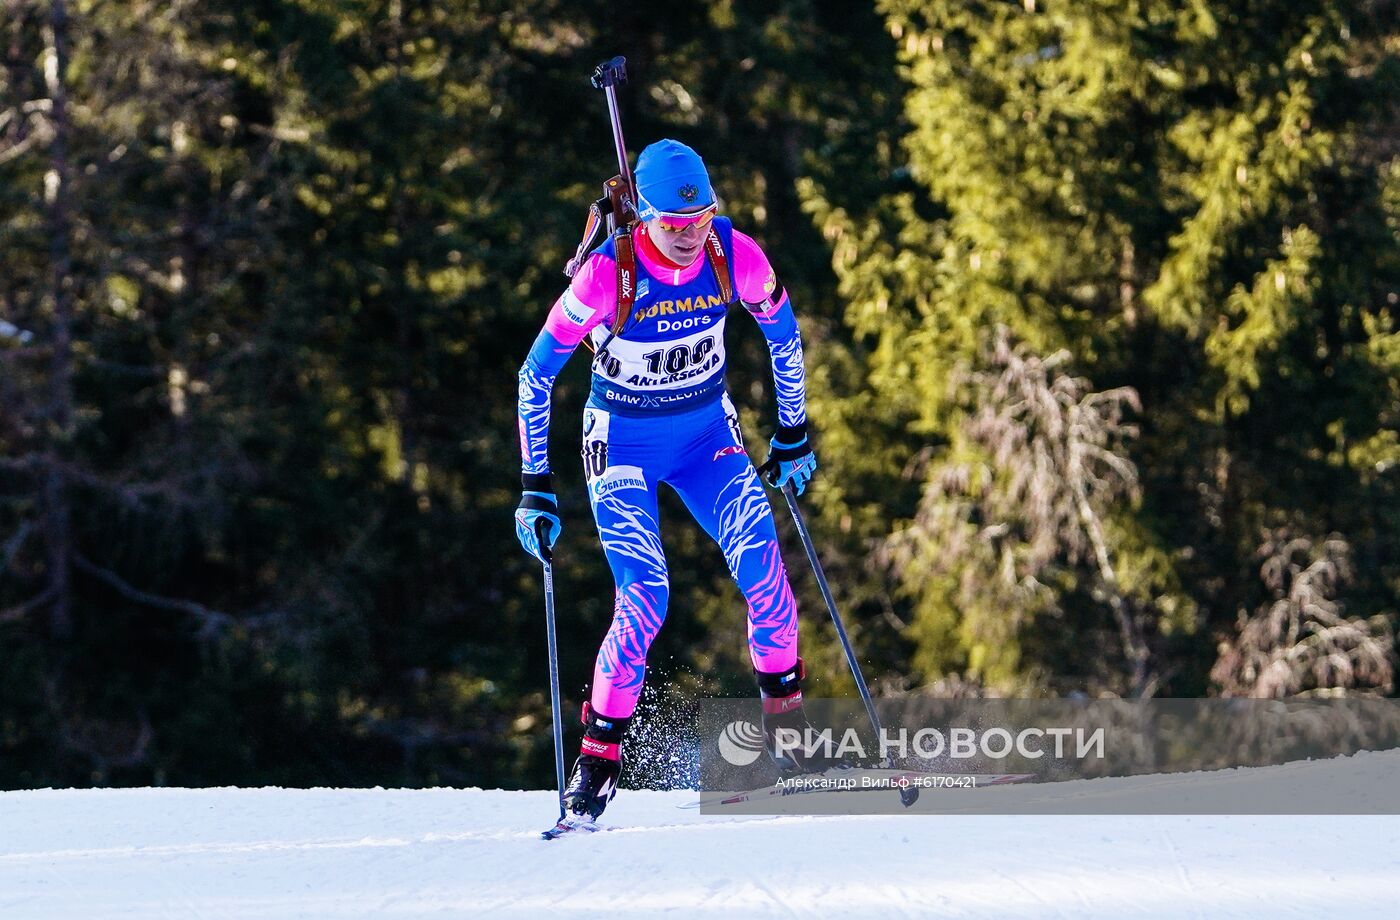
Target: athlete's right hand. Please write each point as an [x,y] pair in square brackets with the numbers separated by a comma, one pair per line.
[538,510]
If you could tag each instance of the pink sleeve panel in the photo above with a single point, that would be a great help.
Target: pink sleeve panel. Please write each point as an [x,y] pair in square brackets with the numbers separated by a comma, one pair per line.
[589,300]
[753,275]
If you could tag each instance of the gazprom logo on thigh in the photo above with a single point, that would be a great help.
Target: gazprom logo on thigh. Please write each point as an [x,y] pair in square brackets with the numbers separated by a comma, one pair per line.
[615,478]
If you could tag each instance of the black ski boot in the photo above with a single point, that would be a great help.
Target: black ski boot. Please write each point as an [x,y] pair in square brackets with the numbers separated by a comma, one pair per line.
[782,711]
[598,767]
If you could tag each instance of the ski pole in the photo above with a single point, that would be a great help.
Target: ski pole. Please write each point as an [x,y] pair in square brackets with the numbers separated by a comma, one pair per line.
[908,794]
[554,703]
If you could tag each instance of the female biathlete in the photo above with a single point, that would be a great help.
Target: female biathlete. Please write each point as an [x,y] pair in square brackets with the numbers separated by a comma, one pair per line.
[658,412]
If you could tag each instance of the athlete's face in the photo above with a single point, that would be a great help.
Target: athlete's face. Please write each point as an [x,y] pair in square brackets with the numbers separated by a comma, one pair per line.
[681,237]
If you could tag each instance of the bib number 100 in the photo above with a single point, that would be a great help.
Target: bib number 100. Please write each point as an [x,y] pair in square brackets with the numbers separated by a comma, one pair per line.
[677,359]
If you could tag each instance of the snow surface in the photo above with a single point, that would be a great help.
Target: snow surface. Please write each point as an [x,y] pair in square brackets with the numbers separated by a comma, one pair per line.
[328,854]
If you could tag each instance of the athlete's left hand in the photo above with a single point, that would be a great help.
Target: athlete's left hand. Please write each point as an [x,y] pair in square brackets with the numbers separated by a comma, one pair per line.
[790,459]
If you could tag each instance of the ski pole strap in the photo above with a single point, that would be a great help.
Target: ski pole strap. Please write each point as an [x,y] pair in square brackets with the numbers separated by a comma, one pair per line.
[546,555]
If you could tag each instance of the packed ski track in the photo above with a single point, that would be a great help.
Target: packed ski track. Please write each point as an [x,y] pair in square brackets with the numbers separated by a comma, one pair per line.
[327,854]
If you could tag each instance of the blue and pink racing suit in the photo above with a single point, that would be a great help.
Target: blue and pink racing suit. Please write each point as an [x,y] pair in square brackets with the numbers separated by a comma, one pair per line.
[658,412]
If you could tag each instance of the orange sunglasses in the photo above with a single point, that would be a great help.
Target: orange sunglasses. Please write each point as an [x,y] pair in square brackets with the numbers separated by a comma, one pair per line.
[673,222]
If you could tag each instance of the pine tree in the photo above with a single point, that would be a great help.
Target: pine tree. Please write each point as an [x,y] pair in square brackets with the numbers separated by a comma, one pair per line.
[1178,196]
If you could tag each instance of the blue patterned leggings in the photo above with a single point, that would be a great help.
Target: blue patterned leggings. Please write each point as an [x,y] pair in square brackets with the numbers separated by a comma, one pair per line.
[700,454]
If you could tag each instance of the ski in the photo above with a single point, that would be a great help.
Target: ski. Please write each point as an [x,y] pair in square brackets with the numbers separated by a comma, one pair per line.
[849,780]
[571,824]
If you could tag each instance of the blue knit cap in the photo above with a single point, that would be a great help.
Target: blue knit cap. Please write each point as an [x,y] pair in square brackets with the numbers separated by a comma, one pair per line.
[671,177]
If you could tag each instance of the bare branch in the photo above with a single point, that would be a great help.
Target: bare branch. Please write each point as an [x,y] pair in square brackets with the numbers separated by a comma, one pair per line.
[22,464]
[107,743]
[13,545]
[20,611]
[131,494]
[211,622]
[20,148]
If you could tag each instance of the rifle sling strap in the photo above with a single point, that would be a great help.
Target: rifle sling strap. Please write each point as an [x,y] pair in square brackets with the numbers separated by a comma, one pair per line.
[627,275]
[626,256]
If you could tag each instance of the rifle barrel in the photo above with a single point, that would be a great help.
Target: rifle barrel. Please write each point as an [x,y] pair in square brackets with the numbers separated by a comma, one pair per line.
[623,168]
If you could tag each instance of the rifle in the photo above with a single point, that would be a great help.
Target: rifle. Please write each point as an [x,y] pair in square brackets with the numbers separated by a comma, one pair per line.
[618,206]
[618,209]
